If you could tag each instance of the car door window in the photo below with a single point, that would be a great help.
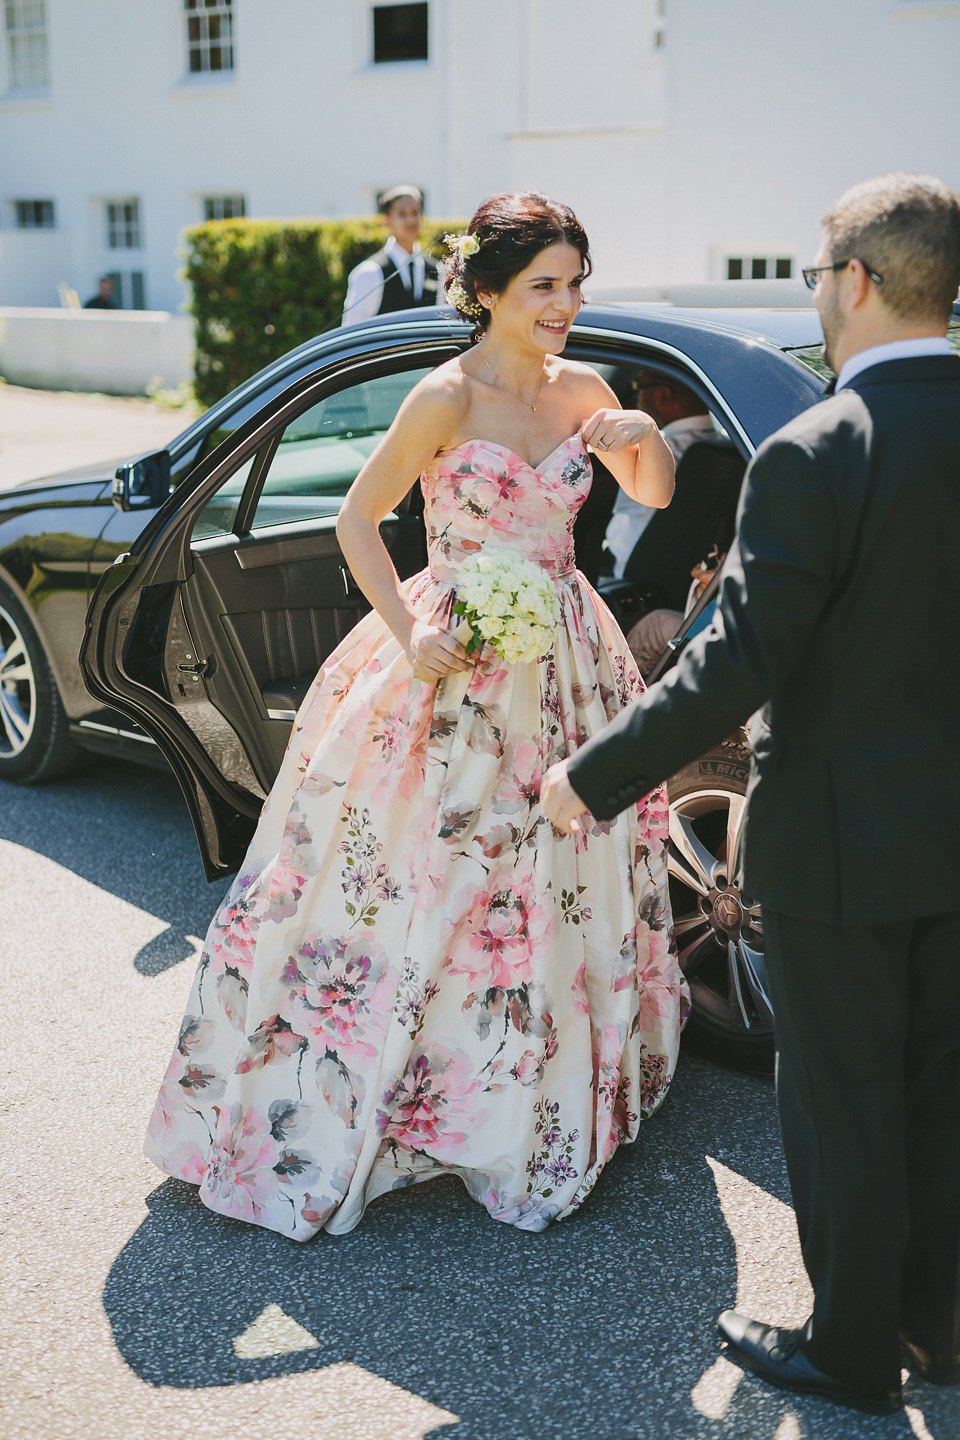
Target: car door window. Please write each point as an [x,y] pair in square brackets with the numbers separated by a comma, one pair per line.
[322,451]
[217,516]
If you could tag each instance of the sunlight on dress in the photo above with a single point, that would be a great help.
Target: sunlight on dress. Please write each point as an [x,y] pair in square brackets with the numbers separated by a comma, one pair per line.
[414,973]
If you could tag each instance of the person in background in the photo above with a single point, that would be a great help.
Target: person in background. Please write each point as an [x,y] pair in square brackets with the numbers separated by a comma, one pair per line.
[399,276]
[683,418]
[103,300]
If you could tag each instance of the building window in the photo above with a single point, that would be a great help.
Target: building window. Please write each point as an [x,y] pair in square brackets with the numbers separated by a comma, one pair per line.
[223,207]
[400,32]
[34,214]
[209,36]
[123,225]
[27,44]
[759,267]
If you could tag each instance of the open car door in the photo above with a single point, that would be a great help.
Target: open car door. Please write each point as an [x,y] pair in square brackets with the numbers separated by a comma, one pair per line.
[209,631]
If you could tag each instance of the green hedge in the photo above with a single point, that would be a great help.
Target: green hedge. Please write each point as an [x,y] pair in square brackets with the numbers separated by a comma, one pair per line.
[260,287]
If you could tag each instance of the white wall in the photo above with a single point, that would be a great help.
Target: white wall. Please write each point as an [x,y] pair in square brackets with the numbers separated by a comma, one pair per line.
[732,137]
[118,352]
[31,264]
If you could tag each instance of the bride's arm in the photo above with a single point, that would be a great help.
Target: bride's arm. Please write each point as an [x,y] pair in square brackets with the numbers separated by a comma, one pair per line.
[424,422]
[631,445]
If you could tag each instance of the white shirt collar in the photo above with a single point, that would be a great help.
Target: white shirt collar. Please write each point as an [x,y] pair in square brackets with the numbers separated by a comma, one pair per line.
[894,350]
[397,253]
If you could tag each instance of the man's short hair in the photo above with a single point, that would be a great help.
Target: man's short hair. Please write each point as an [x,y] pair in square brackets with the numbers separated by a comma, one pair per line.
[399,192]
[906,228]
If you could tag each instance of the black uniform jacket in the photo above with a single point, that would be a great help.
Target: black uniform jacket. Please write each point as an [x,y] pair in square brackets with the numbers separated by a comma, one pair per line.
[839,614]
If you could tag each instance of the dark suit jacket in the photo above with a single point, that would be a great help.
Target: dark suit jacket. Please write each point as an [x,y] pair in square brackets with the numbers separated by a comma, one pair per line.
[839,614]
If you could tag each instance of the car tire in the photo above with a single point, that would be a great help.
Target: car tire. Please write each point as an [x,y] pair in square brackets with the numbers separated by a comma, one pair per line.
[718,928]
[35,740]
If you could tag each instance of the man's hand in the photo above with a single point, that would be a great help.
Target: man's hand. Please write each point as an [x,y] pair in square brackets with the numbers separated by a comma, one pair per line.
[561,803]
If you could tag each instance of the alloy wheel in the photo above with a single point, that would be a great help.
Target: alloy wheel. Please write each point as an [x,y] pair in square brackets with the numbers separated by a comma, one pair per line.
[18,689]
[718,927]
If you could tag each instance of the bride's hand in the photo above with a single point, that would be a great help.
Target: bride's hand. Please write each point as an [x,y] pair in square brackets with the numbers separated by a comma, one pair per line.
[434,653]
[610,430]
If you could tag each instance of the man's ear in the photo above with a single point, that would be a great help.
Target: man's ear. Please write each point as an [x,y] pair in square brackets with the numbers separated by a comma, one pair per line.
[857,285]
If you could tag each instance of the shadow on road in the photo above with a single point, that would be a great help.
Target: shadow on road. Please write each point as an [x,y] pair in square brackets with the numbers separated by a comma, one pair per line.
[125,829]
[596,1330]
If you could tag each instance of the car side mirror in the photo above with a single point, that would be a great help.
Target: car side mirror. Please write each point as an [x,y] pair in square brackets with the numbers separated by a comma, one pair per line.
[142,483]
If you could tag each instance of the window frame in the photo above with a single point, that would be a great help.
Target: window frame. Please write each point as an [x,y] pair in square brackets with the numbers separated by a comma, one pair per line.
[212,202]
[748,261]
[21,223]
[380,9]
[17,29]
[202,46]
[114,226]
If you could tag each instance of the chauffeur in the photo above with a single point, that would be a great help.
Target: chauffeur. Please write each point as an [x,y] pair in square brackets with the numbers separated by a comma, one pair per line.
[399,276]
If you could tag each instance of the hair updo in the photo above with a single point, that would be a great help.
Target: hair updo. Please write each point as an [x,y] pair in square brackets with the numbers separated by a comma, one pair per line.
[511,230]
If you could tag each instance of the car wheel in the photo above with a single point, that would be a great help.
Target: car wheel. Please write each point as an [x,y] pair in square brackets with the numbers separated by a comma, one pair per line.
[718,927]
[35,741]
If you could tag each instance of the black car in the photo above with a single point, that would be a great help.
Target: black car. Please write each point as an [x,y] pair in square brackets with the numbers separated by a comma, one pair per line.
[220,588]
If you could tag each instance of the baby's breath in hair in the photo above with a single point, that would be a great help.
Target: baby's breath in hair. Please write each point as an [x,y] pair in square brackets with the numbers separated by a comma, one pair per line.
[461,302]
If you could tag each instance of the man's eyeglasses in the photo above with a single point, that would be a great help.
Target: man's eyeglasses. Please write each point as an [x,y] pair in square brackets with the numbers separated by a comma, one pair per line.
[813,272]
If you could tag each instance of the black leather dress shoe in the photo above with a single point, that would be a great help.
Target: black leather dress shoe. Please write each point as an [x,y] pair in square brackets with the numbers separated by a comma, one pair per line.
[938,1369]
[776,1356]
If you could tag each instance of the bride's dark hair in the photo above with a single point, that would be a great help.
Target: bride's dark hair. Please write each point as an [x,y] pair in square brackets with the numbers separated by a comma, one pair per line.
[511,231]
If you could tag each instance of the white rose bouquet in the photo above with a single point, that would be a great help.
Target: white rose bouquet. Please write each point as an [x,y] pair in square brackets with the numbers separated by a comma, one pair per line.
[509,602]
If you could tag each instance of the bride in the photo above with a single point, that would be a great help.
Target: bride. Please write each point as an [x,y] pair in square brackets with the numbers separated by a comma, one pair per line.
[414,973]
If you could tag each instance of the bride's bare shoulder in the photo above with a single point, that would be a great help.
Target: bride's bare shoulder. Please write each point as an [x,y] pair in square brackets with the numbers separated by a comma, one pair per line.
[575,376]
[441,398]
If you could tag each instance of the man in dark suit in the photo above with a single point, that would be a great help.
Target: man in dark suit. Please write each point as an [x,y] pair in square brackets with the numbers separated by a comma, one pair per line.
[839,614]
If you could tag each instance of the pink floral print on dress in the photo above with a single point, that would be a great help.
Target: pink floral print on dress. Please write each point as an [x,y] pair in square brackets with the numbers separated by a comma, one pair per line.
[414,972]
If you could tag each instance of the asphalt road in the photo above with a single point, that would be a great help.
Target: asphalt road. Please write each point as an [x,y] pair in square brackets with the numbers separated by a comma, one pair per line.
[44,431]
[131,1312]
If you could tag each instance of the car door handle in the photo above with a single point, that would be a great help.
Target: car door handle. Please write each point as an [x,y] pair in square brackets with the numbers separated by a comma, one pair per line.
[350,587]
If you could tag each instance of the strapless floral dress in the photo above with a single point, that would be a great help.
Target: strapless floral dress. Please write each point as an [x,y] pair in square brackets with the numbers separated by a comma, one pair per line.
[414,973]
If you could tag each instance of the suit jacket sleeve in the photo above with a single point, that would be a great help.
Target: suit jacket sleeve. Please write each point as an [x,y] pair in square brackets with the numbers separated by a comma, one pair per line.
[777,580]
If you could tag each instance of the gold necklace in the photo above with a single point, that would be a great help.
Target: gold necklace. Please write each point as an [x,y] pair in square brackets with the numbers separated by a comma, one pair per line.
[511,391]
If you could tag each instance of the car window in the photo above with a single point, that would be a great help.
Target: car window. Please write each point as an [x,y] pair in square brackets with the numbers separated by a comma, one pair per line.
[623,378]
[217,516]
[322,451]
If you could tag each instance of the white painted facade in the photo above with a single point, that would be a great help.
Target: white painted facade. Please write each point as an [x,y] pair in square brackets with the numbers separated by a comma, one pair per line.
[684,132]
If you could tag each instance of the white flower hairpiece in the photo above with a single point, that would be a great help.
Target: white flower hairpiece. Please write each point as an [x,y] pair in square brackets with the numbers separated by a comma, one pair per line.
[460,300]
[465,244]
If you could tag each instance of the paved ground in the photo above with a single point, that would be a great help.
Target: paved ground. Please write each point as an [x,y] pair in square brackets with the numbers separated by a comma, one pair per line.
[43,431]
[131,1312]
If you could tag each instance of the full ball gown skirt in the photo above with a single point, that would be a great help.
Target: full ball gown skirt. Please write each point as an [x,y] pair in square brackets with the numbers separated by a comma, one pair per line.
[414,973]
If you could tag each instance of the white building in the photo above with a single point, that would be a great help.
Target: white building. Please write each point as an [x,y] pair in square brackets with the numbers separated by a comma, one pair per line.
[693,137]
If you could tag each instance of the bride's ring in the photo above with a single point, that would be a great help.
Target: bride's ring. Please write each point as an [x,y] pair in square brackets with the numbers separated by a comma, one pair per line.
[600,444]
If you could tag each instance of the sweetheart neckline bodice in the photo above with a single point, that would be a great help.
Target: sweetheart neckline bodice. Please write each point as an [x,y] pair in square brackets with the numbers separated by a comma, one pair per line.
[506,449]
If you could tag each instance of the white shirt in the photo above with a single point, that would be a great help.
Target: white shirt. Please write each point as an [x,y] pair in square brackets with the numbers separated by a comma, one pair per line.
[893,350]
[630,518]
[365,282]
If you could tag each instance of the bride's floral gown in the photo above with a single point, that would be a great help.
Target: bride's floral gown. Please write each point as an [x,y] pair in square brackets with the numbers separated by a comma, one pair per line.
[414,973]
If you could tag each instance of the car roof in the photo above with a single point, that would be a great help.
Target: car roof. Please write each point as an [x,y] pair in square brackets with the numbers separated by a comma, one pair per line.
[788,329]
